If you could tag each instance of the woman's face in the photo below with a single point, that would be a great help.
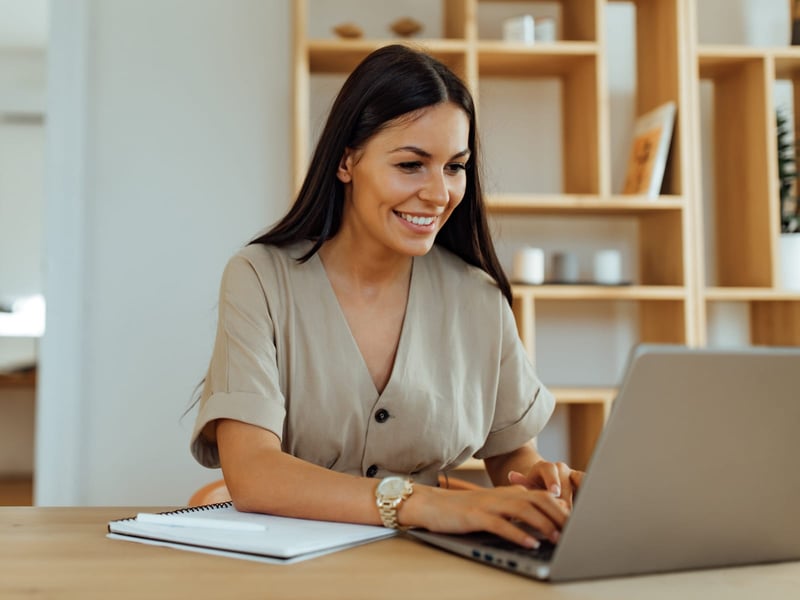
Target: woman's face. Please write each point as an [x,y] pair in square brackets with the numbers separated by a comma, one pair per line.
[405,181]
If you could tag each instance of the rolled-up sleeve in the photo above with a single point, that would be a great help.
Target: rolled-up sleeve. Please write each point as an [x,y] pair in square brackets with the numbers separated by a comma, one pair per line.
[523,404]
[242,382]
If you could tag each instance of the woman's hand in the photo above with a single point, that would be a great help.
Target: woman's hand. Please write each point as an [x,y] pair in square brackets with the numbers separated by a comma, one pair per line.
[557,478]
[492,509]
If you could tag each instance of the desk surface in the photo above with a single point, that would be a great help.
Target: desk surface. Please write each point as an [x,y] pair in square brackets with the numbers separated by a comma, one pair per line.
[63,553]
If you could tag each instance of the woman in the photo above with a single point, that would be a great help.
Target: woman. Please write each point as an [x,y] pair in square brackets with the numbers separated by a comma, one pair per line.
[369,333]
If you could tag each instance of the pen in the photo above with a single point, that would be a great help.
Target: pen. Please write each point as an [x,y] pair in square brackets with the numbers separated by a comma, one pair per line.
[184,521]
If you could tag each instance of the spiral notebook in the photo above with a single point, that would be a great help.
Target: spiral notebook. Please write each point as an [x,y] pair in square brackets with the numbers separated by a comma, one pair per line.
[221,530]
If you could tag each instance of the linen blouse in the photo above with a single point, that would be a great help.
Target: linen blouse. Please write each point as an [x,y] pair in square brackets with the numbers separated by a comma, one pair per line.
[284,359]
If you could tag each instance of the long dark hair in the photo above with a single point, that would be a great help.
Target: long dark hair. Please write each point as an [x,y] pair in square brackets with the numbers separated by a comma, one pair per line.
[392,81]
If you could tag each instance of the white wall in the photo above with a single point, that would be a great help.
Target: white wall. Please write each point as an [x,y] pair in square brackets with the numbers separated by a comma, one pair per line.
[22,83]
[179,110]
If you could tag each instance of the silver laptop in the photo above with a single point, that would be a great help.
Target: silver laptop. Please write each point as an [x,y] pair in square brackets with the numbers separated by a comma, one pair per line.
[697,467]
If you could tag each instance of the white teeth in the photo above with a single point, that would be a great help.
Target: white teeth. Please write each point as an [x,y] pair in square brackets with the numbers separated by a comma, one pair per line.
[417,220]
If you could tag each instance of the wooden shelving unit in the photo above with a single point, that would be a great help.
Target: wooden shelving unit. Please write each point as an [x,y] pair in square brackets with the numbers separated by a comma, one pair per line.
[746,224]
[670,288]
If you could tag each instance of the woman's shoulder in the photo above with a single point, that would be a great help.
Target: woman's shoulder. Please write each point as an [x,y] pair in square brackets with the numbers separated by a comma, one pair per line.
[268,257]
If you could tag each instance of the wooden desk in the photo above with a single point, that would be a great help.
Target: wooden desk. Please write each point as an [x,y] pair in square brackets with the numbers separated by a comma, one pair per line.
[63,553]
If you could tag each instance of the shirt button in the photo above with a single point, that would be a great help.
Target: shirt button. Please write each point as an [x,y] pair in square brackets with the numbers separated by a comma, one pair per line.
[372,470]
[382,415]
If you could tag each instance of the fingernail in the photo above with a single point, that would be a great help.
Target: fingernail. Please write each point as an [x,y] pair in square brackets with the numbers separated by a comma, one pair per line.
[555,490]
[555,536]
[531,542]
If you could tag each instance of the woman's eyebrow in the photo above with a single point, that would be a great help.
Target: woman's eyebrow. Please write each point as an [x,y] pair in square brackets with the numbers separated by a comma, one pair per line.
[424,154]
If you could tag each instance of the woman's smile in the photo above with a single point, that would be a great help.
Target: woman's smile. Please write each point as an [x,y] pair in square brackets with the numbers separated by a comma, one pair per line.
[420,223]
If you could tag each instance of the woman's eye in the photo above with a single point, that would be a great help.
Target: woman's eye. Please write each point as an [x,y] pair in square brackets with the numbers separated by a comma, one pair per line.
[410,166]
[455,168]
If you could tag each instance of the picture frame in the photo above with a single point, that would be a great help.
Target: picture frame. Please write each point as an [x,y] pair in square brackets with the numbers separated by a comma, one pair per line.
[650,144]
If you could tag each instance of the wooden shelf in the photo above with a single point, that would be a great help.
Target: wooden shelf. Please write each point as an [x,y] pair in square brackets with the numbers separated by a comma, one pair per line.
[718,61]
[582,204]
[749,294]
[507,59]
[584,395]
[342,56]
[599,292]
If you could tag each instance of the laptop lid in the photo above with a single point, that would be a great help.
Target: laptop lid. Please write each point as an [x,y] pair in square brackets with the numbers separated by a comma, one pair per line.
[695,468]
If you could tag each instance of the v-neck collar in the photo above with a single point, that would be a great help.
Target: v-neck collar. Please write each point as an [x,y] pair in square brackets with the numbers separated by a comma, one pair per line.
[400,355]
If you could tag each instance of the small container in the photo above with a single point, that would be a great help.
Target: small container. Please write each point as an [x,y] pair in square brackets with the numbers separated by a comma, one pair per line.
[544,30]
[608,267]
[564,267]
[528,266]
[519,29]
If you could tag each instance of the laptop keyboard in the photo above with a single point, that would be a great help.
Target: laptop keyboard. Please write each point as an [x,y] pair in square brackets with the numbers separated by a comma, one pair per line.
[544,552]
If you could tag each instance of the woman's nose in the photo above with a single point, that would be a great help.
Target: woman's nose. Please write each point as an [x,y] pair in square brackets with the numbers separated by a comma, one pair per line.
[435,189]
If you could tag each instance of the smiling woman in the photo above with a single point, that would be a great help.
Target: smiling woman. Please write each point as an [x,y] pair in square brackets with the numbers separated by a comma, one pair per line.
[369,333]
[403,184]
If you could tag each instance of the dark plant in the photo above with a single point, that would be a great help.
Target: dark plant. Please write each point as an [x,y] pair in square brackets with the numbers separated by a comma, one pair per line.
[787,174]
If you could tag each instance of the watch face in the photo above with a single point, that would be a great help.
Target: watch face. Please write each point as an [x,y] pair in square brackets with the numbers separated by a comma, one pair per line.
[392,486]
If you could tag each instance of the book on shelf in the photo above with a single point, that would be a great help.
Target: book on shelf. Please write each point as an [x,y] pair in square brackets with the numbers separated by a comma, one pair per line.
[221,530]
[652,136]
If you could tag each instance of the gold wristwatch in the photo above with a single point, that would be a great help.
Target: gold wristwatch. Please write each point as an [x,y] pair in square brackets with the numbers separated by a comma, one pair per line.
[390,493]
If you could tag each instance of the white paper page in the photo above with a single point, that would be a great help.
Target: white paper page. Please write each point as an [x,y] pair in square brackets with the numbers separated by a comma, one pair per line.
[282,538]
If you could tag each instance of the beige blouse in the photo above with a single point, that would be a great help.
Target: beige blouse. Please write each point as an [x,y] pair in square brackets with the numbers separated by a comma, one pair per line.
[285,360]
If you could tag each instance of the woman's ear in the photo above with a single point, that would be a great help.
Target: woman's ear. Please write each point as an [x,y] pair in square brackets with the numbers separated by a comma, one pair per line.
[345,170]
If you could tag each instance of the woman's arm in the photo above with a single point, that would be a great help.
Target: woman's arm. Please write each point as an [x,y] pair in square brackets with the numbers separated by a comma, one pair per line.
[263,478]
[525,466]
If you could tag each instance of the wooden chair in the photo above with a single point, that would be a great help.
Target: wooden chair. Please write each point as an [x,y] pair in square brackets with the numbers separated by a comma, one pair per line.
[217,491]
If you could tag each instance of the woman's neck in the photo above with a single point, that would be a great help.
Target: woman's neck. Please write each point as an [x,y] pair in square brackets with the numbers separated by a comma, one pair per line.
[363,269]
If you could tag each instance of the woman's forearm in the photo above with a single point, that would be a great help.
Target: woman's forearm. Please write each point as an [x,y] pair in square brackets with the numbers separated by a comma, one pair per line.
[263,478]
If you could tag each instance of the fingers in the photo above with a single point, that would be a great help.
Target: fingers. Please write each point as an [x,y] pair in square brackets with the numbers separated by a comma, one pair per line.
[567,487]
[556,477]
[538,509]
[505,511]
[507,530]
[550,474]
[517,478]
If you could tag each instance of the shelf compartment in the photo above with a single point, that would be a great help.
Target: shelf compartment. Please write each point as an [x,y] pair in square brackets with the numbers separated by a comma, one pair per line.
[588,410]
[579,18]
[581,204]
[744,164]
[774,313]
[342,56]
[719,61]
[661,248]
[775,323]
[660,72]
[575,66]
[509,59]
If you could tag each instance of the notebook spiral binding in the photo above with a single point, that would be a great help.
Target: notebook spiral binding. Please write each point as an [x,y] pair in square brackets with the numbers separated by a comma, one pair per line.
[188,509]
